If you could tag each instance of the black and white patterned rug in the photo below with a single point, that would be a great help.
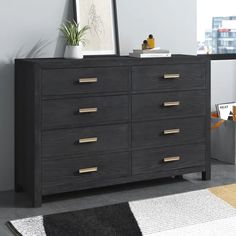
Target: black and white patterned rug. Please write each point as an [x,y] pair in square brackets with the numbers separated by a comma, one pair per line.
[193,213]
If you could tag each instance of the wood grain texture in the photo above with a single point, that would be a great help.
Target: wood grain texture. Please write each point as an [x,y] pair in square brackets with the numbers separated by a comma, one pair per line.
[65,112]
[28,130]
[66,141]
[65,81]
[147,161]
[150,106]
[152,77]
[64,172]
[127,127]
[152,133]
[115,61]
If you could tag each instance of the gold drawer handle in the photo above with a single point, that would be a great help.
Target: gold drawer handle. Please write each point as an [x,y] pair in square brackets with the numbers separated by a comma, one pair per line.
[171,131]
[88,140]
[171,104]
[88,80]
[171,76]
[88,170]
[88,110]
[171,159]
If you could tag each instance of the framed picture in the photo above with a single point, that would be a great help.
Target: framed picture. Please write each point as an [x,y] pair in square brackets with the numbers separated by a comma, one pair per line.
[101,17]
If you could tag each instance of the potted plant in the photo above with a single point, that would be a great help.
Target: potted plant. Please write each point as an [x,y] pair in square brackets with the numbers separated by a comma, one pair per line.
[74,37]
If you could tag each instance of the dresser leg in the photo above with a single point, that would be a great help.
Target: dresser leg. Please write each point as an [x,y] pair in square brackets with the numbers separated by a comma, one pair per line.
[18,188]
[206,175]
[37,201]
[179,177]
[18,184]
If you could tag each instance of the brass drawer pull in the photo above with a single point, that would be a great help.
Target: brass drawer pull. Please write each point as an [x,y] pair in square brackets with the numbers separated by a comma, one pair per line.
[88,170]
[171,104]
[88,140]
[88,80]
[171,131]
[171,159]
[171,76]
[88,110]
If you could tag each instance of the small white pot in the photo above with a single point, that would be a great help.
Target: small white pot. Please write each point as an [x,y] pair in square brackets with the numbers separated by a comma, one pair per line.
[74,52]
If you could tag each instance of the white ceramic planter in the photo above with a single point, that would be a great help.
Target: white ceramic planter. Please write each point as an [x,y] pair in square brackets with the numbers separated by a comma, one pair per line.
[74,52]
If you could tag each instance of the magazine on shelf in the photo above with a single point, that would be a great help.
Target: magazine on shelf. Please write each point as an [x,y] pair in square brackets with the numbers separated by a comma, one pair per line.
[225,110]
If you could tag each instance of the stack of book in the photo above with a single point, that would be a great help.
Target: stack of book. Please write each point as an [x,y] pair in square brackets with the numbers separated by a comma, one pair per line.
[148,53]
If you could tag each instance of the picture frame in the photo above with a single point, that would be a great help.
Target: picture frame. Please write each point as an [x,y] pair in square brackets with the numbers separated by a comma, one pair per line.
[101,17]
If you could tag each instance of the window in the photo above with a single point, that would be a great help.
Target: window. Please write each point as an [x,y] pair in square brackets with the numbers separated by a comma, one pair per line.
[216,27]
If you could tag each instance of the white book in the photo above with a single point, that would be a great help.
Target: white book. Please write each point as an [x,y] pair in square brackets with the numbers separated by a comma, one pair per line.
[153,50]
[149,55]
[225,110]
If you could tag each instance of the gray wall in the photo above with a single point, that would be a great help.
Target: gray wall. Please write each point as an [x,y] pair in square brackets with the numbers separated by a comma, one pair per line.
[30,29]
[223,82]
[173,23]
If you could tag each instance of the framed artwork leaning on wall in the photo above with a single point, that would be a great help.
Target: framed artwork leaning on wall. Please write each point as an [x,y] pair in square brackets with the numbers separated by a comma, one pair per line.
[101,17]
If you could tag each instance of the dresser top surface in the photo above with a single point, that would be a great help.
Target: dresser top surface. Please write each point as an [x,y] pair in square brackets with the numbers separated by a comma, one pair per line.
[93,61]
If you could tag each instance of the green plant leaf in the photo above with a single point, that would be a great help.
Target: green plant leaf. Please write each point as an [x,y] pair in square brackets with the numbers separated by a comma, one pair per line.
[72,32]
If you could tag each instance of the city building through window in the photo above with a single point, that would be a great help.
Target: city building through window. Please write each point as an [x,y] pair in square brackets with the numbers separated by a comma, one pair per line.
[216,26]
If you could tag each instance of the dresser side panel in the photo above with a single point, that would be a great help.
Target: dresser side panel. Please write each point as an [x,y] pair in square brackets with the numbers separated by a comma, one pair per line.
[27,130]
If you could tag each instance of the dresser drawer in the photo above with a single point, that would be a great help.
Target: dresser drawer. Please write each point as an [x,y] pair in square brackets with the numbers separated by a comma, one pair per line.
[167,159]
[83,140]
[168,132]
[90,171]
[85,80]
[168,77]
[84,111]
[170,104]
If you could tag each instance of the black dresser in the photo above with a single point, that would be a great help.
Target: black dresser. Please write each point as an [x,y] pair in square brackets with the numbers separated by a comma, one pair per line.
[82,124]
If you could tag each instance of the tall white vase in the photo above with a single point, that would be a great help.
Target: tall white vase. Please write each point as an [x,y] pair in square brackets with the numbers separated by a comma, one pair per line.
[74,52]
